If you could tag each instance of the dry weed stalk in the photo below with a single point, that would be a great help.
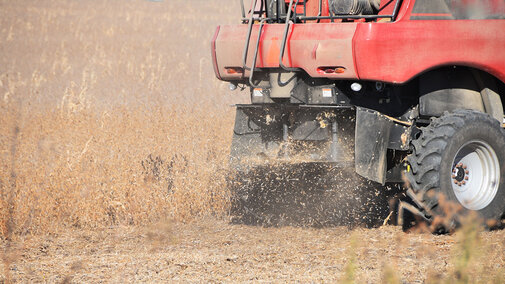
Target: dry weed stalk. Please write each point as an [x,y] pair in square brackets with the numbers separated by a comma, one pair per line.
[351,267]
[9,195]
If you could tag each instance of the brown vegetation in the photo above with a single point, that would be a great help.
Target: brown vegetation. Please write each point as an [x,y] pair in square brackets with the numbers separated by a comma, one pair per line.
[110,114]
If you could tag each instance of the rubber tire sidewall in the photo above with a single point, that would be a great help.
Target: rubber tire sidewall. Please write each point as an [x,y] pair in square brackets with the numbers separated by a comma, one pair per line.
[480,131]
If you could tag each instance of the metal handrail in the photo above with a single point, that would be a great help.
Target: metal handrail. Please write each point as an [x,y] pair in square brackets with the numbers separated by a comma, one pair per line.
[242,8]
[343,17]
[320,9]
[285,37]
[395,10]
[256,53]
[249,31]
[332,16]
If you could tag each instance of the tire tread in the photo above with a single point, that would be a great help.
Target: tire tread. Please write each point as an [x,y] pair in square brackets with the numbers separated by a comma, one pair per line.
[424,176]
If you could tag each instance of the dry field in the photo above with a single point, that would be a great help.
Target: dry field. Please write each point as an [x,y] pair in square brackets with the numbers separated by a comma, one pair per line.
[114,137]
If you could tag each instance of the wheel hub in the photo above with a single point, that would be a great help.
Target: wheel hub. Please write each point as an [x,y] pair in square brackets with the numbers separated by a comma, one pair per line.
[460,174]
[475,175]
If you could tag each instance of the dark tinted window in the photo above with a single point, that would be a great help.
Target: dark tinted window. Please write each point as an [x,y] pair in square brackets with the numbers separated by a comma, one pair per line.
[458,9]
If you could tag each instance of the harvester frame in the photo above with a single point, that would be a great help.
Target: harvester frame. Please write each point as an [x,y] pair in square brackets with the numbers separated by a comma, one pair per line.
[387,83]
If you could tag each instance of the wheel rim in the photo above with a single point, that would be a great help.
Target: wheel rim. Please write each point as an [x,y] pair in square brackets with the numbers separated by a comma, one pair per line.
[475,175]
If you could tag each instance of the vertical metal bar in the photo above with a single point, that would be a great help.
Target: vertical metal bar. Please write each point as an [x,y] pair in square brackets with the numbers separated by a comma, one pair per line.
[285,138]
[243,8]
[286,28]
[395,11]
[277,9]
[248,39]
[285,37]
[334,142]
[305,9]
[294,9]
[256,54]
[320,10]
[285,131]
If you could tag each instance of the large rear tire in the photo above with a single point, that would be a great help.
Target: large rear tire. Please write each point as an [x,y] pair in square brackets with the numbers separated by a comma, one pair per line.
[460,158]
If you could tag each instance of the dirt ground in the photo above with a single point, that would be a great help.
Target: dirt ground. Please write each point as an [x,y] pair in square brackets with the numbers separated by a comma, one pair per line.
[215,251]
[112,121]
[212,250]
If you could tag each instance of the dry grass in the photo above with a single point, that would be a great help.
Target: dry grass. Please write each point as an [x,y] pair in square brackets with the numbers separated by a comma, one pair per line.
[89,170]
[110,113]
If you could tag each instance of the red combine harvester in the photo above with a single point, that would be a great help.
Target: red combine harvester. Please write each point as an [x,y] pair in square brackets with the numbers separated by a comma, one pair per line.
[398,89]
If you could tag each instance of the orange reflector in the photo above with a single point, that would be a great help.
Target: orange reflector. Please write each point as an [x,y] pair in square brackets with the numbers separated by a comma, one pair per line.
[340,70]
[330,70]
[234,70]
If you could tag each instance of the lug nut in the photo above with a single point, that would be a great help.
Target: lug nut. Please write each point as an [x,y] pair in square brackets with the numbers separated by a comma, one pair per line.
[453,176]
[463,182]
[455,182]
[466,178]
[464,167]
[467,172]
[453,171]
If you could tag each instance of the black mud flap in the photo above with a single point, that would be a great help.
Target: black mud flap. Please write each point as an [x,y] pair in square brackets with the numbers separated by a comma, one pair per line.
[372,137]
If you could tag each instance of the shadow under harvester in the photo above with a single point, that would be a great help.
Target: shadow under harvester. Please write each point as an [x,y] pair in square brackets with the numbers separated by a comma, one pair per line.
[308,194]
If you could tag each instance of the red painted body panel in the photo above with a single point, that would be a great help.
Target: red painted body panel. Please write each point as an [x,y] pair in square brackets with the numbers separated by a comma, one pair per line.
[310,46]
[393,52]
[397,52]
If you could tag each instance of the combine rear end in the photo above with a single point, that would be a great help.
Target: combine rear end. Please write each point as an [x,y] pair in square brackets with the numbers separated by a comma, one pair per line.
[395,89]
